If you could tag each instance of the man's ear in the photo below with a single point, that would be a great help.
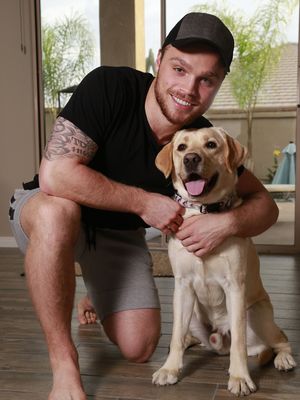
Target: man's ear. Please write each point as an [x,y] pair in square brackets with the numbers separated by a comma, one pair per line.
[158,60]
[235,152]
[164,159]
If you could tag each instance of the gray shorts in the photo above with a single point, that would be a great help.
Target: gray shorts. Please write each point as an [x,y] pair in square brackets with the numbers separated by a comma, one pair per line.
[117,272]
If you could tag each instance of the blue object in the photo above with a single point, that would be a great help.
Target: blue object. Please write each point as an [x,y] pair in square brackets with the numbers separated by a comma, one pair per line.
[286,171]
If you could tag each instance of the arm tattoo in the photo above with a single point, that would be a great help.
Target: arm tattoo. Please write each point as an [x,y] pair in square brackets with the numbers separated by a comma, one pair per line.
[67,140]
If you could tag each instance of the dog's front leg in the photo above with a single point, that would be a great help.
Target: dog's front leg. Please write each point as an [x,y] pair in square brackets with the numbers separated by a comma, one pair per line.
[183,304]
[240,382]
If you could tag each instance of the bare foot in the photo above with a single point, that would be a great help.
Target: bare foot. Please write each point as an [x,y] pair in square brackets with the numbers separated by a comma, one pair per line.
[86,311]
[67,383]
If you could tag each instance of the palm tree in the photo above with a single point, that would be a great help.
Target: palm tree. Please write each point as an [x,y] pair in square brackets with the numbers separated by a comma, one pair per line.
[258,46]
[68,51]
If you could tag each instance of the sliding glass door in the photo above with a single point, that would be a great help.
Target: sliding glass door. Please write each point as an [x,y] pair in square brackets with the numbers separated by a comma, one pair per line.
[263,116]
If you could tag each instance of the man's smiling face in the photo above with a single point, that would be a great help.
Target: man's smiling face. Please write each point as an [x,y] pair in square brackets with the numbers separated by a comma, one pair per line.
[187,82]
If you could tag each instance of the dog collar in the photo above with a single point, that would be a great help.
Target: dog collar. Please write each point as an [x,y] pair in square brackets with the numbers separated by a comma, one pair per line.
[225,204]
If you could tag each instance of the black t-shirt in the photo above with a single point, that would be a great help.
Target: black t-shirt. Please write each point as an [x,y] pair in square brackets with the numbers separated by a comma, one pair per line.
[109,107]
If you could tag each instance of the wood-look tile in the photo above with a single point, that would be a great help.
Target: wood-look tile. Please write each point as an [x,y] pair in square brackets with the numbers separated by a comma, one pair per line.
[262,394]
[24,366]
[138,388]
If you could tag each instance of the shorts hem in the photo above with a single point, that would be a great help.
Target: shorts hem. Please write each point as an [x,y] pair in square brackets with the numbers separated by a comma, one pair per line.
[125,299]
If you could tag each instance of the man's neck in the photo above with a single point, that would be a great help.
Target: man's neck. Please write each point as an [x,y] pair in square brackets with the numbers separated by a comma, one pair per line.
[162,129]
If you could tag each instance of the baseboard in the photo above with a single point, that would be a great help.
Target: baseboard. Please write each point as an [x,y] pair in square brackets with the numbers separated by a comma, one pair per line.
[8,241]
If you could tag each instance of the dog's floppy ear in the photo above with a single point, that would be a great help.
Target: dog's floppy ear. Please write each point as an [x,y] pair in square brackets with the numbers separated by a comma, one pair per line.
[164,159]
[235,153]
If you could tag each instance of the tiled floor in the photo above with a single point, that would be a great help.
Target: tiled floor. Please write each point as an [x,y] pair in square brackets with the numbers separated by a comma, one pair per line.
[24,367]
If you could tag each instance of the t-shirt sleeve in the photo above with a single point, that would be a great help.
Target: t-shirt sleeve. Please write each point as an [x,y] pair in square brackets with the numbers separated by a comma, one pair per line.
[90,106]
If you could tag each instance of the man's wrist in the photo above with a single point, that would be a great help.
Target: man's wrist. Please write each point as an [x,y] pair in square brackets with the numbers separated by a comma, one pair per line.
[232,224]
[138,201]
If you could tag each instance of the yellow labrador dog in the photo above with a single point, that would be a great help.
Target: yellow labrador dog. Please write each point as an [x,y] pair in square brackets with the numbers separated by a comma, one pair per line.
[219,299]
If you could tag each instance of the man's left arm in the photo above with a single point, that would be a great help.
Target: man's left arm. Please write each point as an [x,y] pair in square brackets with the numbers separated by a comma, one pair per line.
[202,234]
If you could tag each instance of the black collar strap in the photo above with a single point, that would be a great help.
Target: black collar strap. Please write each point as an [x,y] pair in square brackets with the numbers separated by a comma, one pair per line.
[223,205]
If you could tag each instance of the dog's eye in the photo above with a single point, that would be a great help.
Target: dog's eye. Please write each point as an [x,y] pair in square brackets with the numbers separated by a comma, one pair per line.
[182,147]
[211,145]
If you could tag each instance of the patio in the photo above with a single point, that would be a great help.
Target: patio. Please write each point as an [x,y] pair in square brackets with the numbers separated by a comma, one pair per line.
[282,233]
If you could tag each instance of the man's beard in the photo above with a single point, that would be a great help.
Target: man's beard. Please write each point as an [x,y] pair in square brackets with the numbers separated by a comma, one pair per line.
[173,118]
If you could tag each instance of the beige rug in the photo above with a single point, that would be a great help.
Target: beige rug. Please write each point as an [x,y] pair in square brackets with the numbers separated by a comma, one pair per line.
[161,264]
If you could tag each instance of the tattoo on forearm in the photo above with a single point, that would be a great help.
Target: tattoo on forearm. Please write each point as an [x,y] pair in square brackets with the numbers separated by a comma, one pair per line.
[67,140]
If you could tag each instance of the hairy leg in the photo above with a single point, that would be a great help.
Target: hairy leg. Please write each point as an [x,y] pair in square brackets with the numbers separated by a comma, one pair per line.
[136,332]
[52,225]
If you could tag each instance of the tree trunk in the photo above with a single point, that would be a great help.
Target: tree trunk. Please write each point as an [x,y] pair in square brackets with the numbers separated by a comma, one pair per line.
[249,164]
[249,131]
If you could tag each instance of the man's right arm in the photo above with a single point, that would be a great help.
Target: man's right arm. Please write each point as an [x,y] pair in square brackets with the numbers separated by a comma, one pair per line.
[64,172]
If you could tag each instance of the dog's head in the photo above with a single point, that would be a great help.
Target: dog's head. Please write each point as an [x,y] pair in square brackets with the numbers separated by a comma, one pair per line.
[203,163]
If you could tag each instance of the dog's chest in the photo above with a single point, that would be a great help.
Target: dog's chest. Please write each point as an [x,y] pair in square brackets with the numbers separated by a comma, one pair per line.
[210,294]
[203,276]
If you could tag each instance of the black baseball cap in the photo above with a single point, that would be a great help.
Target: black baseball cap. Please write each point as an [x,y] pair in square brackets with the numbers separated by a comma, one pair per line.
[206,28]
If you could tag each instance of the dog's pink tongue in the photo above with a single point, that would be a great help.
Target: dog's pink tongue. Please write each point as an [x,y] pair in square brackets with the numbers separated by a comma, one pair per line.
[195,188]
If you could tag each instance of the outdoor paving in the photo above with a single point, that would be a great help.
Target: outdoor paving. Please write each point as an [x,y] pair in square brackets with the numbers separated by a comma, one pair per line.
[282,233]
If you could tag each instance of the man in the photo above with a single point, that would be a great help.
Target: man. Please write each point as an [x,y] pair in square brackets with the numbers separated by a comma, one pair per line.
[99,188]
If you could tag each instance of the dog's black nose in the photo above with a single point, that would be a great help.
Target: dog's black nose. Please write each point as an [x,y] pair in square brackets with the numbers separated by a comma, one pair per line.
[191,160]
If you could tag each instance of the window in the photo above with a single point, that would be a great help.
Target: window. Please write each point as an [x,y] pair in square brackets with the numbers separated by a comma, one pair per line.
[274,112]
[70,49]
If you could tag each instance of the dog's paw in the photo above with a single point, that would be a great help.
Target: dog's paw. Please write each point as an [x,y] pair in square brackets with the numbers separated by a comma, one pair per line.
[241,386]
[165,377]
[284,361]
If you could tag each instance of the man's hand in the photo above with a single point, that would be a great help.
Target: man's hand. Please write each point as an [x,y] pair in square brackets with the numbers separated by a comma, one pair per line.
[162,213]
[202,234]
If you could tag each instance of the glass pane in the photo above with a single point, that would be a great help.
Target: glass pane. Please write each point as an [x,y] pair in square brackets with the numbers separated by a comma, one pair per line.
[70,49]
[274,116]
[152,33]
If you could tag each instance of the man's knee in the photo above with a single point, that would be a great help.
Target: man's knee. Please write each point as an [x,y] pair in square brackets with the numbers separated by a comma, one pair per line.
[53,215]
[135,332]
[139,349]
